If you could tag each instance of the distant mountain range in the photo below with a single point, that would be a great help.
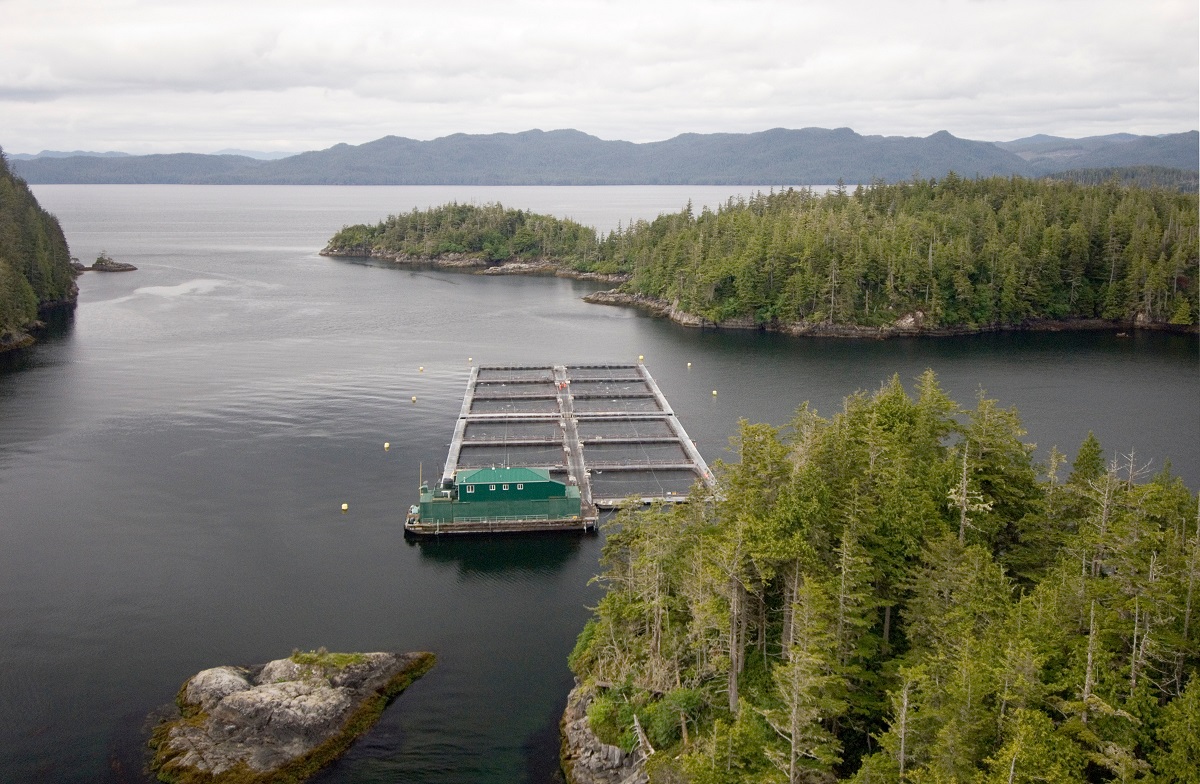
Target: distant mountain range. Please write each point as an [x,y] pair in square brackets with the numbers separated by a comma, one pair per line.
[809,156]
[24,156]
[1049,154]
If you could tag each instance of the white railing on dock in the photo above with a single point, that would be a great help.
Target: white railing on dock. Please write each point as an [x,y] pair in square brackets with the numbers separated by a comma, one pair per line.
[484,386]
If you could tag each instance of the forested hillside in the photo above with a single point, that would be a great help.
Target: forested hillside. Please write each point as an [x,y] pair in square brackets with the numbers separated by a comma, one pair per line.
[35,264]
[900,593]
[960,252]
[1181,180]
[1047,154]
[176,168]
[945,253]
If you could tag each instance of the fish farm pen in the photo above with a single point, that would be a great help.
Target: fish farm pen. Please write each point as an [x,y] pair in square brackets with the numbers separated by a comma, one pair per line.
[545,448]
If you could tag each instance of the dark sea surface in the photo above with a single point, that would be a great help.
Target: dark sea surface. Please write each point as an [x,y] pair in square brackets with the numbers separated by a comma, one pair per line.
[173,461]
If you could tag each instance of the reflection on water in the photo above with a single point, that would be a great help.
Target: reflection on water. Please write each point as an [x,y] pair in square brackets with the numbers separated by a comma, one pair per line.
[59,323]
[516,557]
[16,359]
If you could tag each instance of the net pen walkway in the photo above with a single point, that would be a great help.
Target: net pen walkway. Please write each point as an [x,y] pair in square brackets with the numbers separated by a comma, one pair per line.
[622,408]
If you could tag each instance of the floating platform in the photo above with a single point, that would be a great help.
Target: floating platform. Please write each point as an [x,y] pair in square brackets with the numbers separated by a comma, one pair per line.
[541,448]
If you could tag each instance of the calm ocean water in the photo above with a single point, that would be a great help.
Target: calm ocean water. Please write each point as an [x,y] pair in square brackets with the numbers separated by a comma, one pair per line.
[173,462]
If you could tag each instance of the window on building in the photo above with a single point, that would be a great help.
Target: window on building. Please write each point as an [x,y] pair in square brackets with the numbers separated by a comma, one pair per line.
[470,488]
[520,485]
[503,487]
[491,487]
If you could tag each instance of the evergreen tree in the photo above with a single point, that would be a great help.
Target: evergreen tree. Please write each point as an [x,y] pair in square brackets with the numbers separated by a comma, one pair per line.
[817,616]
[35,268]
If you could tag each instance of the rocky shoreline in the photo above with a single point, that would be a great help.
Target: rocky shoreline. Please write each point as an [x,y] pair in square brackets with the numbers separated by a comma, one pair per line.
[908,325]
[27,335]
[588,760]
[12,341]
[281,721]
[466,262]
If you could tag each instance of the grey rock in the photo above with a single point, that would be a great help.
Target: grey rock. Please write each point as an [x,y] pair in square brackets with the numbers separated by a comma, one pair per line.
[108,265]
[588,760]
[268,717]
[208,687]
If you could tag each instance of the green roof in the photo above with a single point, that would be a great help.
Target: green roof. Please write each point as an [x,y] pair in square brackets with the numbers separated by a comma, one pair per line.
[483,476]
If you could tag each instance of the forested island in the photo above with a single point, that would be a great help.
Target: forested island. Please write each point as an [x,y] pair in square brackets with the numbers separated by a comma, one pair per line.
[899,592]
[948,255]
[35,263]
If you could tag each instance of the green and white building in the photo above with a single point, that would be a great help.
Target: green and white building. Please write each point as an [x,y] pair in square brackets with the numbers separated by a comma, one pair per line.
[485,499]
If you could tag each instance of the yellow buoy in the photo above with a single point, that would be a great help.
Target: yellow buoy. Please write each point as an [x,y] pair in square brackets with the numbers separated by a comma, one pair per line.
[414,399]
[714,393]
[470,359]
[640,358]
[387,445]
[345,507]
[421,369]
[689,364]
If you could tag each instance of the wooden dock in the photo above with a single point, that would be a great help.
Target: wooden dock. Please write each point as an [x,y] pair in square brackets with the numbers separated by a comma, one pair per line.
[606,429]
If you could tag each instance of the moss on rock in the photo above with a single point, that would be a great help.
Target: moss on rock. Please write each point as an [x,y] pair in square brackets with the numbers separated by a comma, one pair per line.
[270,731]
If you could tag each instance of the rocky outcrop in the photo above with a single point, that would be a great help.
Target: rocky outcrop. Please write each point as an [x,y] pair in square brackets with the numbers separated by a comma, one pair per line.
[27,335]
[653,305]
[444,261]
[11,341]
[601,277]
[588,760]
[463,261]
[547,267]
[281,721]
[535,267]
[670,310]
[105,264]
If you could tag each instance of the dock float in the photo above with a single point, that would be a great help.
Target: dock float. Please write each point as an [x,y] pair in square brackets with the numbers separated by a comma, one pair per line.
[545,448]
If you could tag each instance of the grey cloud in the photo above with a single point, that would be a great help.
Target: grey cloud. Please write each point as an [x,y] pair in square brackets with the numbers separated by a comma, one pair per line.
[311,73]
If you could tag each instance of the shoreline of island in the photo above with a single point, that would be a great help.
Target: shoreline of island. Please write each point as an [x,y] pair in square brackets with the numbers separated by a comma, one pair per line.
[906,325]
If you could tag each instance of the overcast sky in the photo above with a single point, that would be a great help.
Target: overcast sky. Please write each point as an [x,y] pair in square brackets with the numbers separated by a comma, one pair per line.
[204,75]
